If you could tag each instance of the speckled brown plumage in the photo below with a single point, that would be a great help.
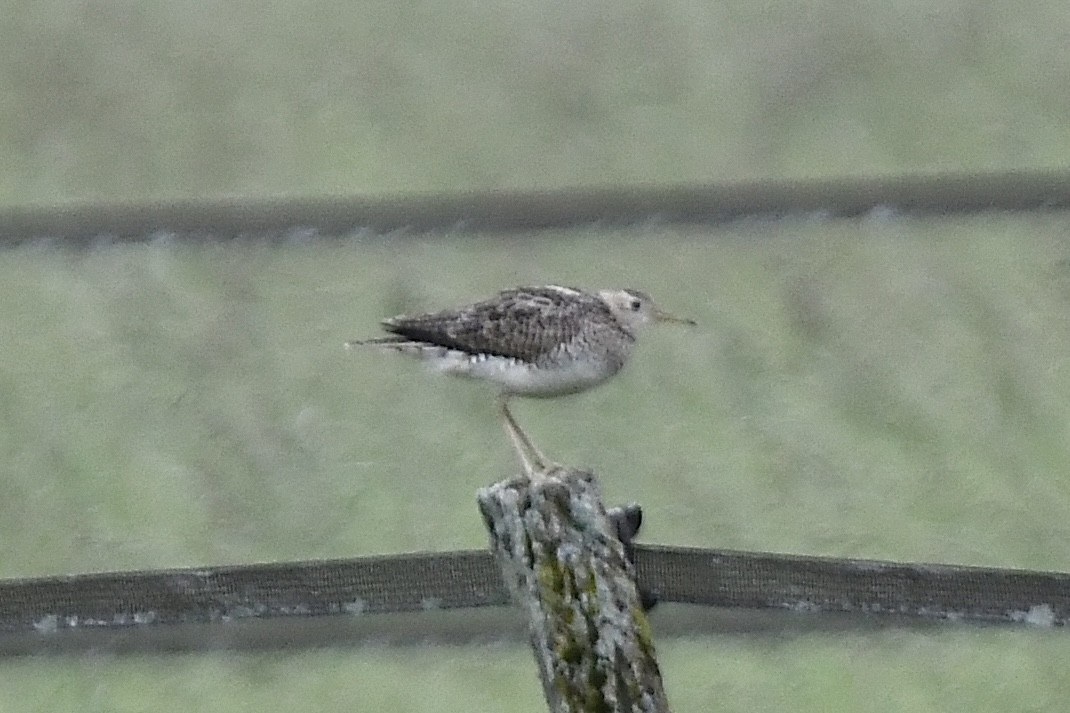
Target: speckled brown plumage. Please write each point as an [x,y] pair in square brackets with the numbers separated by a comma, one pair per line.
[533,325]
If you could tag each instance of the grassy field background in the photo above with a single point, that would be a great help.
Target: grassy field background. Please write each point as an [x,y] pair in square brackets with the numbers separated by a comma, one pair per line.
[884,387]
[121,101]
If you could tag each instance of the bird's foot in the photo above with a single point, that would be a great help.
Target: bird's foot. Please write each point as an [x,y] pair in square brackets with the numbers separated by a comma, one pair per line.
[543,470]
[534,464]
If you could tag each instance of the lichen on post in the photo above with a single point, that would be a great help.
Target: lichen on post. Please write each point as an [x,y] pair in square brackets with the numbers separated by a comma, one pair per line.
[566,568]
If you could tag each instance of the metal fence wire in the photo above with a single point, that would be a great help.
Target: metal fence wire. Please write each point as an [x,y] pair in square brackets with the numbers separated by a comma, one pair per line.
[515,211]
[423,582]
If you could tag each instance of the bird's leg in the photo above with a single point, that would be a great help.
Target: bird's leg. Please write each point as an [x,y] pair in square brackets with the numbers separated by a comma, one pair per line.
[533,461]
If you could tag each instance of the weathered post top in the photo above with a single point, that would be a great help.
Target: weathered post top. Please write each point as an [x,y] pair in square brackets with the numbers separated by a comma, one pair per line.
[567,569]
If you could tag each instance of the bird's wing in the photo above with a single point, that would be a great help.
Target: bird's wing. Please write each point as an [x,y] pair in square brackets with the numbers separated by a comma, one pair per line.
[527,324]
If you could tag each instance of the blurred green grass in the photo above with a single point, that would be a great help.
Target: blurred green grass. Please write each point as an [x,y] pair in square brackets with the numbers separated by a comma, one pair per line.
[986,670]
[889,388]
[156,100]
[876,388]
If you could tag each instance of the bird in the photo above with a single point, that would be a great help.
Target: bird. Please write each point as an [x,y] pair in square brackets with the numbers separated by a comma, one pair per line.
[540,342]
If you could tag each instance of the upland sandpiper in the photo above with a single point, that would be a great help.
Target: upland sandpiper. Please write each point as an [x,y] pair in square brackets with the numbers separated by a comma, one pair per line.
[530,341]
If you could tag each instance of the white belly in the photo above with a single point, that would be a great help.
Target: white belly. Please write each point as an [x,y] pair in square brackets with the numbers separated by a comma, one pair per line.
[523,379]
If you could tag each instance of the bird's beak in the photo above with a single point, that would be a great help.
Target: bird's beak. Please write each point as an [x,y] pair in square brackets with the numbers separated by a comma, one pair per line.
[660,316]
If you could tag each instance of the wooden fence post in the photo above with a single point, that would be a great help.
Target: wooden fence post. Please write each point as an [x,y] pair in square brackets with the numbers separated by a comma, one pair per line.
[566,568]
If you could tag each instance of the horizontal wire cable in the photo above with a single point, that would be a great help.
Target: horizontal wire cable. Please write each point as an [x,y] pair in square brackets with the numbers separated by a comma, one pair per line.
[426,582]
[512,211]
[829,585]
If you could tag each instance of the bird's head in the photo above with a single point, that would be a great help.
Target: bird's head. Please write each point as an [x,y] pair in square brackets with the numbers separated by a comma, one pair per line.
[634,307]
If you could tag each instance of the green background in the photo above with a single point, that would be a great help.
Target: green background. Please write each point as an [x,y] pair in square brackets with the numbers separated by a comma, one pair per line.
[122,100]
[884,387]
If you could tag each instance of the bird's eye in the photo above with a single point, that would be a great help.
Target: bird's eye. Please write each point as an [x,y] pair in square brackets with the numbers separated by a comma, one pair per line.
[636,305]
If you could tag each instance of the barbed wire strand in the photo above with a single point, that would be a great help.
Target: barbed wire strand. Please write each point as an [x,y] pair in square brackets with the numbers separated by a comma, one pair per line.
[516,211]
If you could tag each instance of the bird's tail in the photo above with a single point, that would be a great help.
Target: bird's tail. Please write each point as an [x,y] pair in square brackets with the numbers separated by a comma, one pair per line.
[374,342]
[397,344]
